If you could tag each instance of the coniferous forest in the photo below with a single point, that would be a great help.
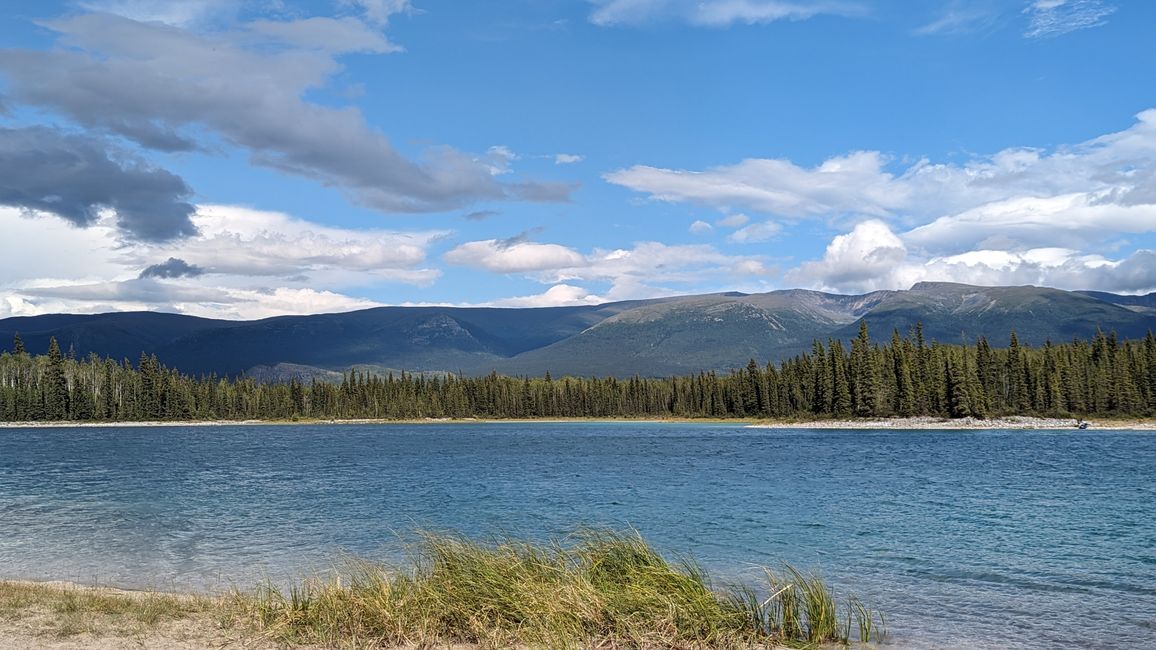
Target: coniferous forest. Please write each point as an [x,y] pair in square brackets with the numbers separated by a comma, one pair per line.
[903,377]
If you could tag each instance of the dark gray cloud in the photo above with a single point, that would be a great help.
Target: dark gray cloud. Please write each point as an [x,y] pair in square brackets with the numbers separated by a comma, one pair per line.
[75,176]
[156,84]
[481,215]
[174,267]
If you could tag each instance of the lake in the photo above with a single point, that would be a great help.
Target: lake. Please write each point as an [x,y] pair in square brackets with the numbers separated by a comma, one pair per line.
[965,539]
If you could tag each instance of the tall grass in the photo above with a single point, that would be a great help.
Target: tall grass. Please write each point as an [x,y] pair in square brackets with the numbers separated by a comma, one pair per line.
[600,588]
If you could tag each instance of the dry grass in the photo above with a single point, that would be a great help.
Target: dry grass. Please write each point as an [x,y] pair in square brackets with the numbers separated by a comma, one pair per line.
[63,611]
[599,589]
[604,589]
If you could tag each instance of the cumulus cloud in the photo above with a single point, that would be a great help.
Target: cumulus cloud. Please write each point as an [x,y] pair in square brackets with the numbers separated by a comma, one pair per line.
[242,263]
[76,176]
[513,256]
[645,270]
[158,85]
[174,267]
[716,13]
[559,295]
[867,258]
[873,257]
[567,158]
[1050,18]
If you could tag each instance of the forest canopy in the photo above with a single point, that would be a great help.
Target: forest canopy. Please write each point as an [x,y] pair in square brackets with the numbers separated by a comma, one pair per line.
[904,376]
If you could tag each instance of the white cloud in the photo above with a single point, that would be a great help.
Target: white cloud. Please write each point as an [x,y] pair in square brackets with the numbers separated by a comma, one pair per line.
[751,267]
[379,12]
[253,264]
[251,87]
[652,268]
[869,257]
[35,248]
[853,183]
[716,13]
[872,257]
[700,227]
[733,221]
[1049,18]
[559,295]
[183,298]
[245,242]
[647,269]
[180,13]
[755,233]
[567,158]
[504,256]
[1085,193]
[1030,221]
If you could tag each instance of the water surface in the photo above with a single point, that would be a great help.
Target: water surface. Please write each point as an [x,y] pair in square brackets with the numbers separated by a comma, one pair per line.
[966,539]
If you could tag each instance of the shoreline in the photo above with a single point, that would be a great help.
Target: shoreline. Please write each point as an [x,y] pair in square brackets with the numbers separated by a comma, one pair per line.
[1015,422]
[1012,422]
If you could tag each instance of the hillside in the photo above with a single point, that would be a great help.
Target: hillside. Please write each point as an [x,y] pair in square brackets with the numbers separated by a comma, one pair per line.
[649,337]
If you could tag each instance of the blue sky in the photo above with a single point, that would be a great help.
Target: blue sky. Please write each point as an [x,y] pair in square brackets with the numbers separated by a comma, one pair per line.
[243,159]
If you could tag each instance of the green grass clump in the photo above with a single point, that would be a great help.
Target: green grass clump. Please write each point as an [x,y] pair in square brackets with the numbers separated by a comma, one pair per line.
[602,588]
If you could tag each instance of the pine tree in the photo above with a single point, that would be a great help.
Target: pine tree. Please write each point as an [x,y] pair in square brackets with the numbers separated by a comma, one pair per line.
[864,383]
[18,344]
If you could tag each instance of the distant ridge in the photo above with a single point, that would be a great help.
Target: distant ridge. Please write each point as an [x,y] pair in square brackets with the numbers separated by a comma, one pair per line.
[647,337]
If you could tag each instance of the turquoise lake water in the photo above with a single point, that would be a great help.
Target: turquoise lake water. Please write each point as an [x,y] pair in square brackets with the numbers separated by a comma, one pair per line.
[965,539]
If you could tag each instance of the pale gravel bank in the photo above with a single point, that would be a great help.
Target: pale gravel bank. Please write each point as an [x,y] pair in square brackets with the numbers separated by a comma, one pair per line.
[922,422]
[1010,422]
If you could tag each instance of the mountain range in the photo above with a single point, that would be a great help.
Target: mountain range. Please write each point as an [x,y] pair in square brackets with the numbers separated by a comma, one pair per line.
[663,336]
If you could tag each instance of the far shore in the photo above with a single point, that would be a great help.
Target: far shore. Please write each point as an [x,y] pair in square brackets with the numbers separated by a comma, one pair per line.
[999,423]
[921,422]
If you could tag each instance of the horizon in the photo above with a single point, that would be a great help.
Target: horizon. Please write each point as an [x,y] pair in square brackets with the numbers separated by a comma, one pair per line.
[243,160]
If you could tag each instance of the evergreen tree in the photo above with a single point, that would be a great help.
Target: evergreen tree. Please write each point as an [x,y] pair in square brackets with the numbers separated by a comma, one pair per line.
[55,384]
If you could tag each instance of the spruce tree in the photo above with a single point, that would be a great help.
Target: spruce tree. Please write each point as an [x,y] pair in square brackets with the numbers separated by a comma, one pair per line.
[55,388]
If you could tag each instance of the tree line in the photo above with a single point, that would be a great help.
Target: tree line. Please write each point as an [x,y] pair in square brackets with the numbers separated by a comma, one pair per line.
[905,376]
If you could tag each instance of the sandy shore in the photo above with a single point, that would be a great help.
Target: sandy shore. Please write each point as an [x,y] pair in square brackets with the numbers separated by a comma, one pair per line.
[1011,422]
[61,615]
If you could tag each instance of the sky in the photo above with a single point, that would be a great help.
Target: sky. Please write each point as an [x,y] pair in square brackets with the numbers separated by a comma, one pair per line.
[243,159]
